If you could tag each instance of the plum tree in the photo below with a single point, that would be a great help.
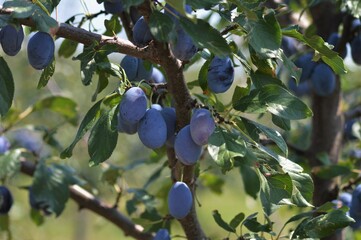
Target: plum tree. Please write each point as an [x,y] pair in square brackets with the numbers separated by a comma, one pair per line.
[113,6]
[11,38]
[141,33]
[152,129]
[323,80]
[220,74]
[133,105]
[187,151]
[4,144]
[180,200]
[135,69]
[162,234]
[202,126]
[40,50]
[6,200]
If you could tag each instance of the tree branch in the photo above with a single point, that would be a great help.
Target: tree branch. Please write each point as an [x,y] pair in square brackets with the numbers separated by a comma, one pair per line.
[88,201]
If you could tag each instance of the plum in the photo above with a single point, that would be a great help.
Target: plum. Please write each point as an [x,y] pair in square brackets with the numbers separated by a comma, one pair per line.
[220,74]
[156,106]
[133,105]
[348,130]
[356,49]
[323,80]
[113,6]
[126,127]
[345,198]
[11,39]
[355,208]
[169,116]
[152,129]
[30,140]
[187,151]
[162,234]
[40,50]
[288,45]
[134,68]
[4,144]
[157,76]
[183,48]
[6,200]
[202,126]
[180,200]
[305,62]
[302,89]
[334,39]
[141,33]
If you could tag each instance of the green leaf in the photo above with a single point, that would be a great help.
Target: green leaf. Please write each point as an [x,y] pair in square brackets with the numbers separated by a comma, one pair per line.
[236,220]
[103,138]
[223,146]
[112,26]
[67,48]
[354,6]
[179,6]
[283,123]
[276,100]
[202,76]
[253,225]
[6,87]
[87,123]
[303,189]
[66,107]
[264,34]
[316,42]
[50,187]
[155,175]
[323,225]
[293,70]
[47,73]
[218,219]
[250,179]
[10,163]
[272,134]
[214,42]
[161,26]
[206,4]
[212,181]
[37,217]
[111,174]
[260,79]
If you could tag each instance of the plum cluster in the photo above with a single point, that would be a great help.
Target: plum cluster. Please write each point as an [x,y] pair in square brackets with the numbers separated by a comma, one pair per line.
[316,76]
[40,46]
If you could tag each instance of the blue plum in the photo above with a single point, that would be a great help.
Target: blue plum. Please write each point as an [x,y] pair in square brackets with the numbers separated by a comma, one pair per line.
[288,45]
[186,150]
[6,200]
[126,127]
[157,76]
[152,129]
[202,126]
[180,200]
[345,198]
[323,80]
[11,39]
[348,130]
[4,144]
[356,49]
[220,74]
[135,69]
[40,50]
[307,65]
[169,116]
[355,208]
[162,234]
[301,89]
[334,39]
[156,106]
[30,140]
[133,105]
[183,48]
[113,6]
[141,33]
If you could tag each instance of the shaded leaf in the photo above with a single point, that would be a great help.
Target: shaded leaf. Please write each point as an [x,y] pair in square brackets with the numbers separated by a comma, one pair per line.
[6,87]
[218,219]
[47,73]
